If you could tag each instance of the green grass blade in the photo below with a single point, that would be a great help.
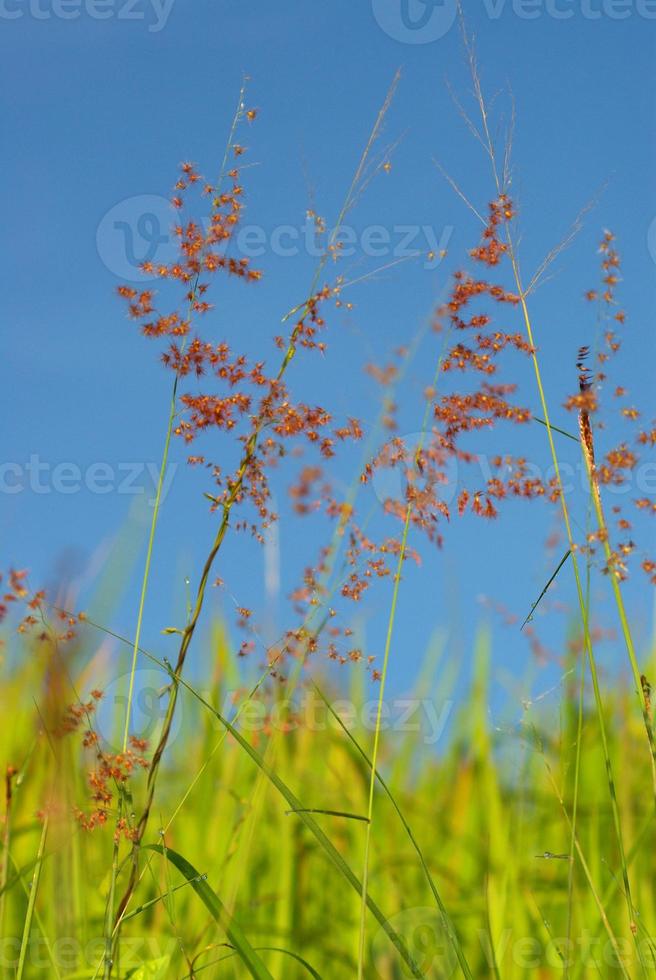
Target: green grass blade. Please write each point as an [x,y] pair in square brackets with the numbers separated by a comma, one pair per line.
[450,930]
[330,813]
[217,910]
[546,588]
[329,849]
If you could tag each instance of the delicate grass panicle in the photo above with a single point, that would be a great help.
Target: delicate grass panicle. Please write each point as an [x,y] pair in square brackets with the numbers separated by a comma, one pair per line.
[254,845]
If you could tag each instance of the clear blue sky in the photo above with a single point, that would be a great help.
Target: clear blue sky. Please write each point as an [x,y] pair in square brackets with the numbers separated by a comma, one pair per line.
[98,112]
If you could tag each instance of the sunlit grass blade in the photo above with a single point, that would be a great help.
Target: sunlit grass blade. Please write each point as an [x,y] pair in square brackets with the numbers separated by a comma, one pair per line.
[31,906]
[450,930]
[295,804]
[215,907]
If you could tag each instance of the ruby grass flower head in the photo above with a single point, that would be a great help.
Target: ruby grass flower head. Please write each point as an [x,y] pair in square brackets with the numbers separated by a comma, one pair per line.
[239,397]
[619,464]
[480,402]
[34,619]
[231,395]
[467,397]
[110,772]
[55,627]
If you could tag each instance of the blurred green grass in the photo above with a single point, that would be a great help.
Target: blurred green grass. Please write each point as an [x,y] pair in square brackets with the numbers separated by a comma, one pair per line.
[484,805]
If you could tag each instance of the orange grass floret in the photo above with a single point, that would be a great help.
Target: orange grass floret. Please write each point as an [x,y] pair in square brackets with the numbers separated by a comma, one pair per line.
[110,771]
[477,350]
[615,467]
[34,620]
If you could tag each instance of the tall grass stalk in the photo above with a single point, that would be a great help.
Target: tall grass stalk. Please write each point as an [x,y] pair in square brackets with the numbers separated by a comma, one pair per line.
[233,496]
[383,678]
[31,902]
[173,407]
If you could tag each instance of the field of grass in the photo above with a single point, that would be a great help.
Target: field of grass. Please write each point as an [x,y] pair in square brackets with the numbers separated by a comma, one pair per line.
[297,825]
[480,828]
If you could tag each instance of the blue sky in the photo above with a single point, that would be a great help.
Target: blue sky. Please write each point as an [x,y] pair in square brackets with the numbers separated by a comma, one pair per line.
[100,102]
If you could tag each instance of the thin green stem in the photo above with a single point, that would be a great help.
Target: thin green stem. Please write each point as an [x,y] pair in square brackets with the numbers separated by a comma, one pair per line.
[31,902]
[577,776]
[579,588]
[149,556]
[234,495]
[374,754]
[109,916]
[383,678]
